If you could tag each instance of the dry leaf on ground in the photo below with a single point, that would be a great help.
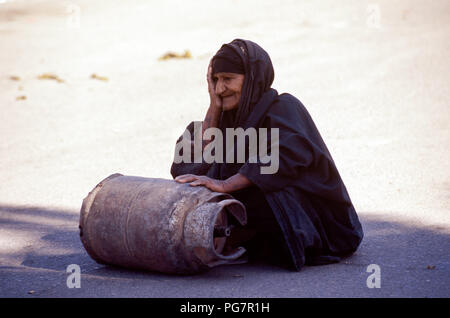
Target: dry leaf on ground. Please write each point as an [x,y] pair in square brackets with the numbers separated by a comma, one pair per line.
[101,78]
[171,55]
[50,77]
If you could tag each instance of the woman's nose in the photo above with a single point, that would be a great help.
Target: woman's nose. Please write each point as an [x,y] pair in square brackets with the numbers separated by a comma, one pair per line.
[220,88]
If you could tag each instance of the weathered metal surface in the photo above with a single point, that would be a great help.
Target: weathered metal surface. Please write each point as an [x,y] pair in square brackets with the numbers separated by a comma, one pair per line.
[159,225]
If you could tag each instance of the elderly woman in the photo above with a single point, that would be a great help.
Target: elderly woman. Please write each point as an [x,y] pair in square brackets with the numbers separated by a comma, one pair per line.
[300,214]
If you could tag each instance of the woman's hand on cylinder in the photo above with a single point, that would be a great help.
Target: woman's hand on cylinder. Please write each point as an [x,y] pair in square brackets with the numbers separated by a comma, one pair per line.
[215,100]
[194,180]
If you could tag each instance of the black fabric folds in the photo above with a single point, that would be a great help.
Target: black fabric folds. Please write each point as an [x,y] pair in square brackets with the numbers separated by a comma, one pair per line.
[306,195]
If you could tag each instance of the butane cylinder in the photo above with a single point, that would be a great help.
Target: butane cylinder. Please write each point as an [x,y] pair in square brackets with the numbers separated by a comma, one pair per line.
[159,225]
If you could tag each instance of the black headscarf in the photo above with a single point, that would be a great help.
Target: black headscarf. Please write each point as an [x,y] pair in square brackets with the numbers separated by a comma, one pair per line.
[227,60]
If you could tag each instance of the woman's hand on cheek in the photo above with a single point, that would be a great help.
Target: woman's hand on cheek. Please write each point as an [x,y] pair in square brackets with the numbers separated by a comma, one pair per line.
[215,101]
[194,180]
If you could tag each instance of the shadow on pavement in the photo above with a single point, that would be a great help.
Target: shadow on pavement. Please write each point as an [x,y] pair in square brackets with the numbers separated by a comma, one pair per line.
[48,241]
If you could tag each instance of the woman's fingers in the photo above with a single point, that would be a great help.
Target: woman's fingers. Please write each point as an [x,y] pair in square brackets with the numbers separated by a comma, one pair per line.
[186,178]
[208,74]
[200,180]
[194,181]
[197,183]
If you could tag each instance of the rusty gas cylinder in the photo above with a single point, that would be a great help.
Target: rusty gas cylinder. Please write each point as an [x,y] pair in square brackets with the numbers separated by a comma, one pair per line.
[159,225]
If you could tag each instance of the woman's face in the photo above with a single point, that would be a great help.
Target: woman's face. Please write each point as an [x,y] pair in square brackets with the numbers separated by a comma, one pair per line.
[228,87]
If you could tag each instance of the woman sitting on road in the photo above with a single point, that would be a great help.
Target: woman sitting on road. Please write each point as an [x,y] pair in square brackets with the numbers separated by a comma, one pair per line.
[299,214]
